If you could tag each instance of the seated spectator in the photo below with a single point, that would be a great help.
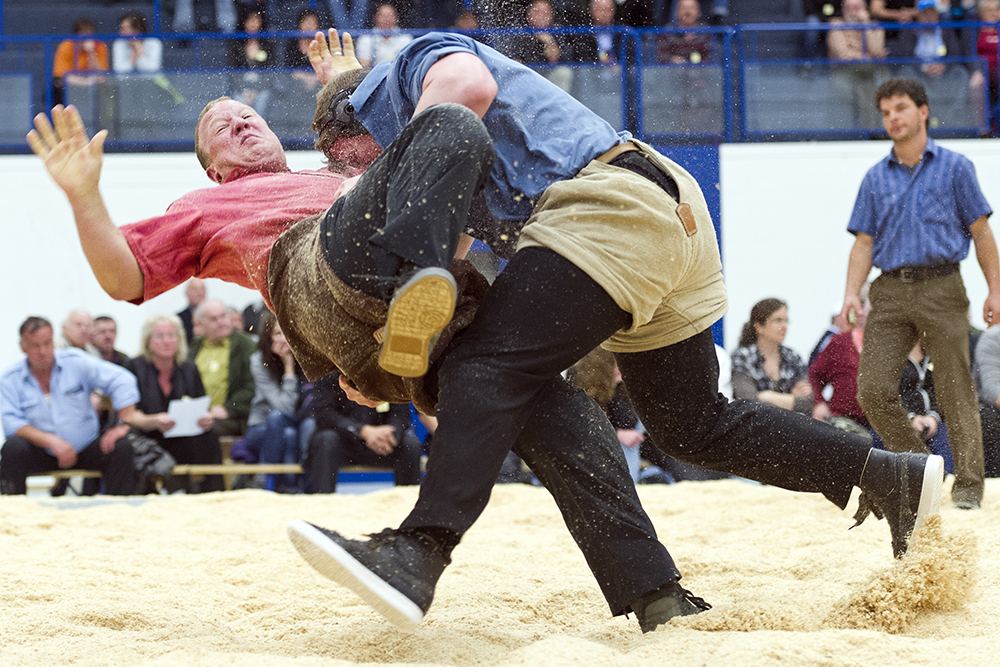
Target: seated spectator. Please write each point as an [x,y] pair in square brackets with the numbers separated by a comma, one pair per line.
[540,46]
[204,16]
[598,376]
[836,369]
[77,331]
[222,356]
[893,11]
[987,43]
[685,47]
[49,421]
[273,435]
[602,45]
[254,56]
[929,44]
[386,39]
[815,12]
[856,44]
[104,334]
[858,81]
[195,293]
[765,370]
[916,392]
[466,21]
[838,324]
[348,433]
[297,49]
[134,52]
[987,375]
[76,55]
[164,374]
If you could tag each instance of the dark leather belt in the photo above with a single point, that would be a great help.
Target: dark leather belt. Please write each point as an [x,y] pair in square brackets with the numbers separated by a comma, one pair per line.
[911,274]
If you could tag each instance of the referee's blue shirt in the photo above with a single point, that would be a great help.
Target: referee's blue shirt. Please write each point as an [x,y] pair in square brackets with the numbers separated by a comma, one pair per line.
[541,134]
[921,219]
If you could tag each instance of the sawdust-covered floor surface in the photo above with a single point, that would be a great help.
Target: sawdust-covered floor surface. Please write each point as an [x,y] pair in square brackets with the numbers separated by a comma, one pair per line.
[213,580]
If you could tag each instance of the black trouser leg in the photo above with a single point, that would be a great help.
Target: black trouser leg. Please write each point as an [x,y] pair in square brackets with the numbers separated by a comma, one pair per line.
[675,392]
[20,459]
[326,455]
[406,457]
[499,387]
[117,466]
[540,316]
[412,203]
[574,451]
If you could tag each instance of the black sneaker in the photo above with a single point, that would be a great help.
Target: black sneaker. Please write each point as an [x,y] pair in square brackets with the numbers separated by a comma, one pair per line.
[420,308]
[659,606]
[904,488]
[393,572]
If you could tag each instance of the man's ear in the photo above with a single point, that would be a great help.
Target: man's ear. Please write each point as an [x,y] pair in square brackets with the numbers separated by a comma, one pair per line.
[214,175]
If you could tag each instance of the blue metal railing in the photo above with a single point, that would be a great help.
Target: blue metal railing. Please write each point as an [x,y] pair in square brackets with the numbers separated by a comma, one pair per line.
[749,89]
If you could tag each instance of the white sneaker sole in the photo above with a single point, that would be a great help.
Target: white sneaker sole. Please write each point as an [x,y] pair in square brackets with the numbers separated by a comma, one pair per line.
[418,313]
[930,490]
[333,562]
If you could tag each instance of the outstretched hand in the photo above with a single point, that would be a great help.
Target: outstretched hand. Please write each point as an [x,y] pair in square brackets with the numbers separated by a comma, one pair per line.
[329,60]
[73,162]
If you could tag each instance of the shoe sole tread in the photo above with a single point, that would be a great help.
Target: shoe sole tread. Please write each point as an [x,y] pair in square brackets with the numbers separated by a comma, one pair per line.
[418,313]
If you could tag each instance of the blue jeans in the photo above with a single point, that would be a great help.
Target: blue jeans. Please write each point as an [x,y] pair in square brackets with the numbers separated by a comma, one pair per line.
[275,441]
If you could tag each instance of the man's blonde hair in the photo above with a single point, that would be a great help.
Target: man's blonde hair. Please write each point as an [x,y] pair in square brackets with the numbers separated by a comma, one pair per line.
[202,156]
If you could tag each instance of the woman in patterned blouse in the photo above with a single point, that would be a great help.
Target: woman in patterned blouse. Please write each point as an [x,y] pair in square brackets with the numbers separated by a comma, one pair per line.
[765,370]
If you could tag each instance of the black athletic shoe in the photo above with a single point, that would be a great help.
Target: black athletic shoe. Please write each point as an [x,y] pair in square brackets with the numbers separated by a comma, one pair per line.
[420,308]
[394,572]
[903,488]
[659,606]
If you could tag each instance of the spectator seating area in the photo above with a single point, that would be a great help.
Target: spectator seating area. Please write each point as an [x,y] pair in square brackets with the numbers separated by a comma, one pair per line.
[754,88]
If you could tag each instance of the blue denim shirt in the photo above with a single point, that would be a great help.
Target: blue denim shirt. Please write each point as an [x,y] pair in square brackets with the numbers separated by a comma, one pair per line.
[541,134]
[921,219]
[68,413]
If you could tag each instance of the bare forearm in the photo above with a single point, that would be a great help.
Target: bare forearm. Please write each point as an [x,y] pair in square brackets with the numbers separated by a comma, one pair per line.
[986,253]
[859,264]
[105,247]
[38,437]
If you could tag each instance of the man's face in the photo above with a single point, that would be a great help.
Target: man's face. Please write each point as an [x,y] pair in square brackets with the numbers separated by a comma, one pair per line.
[603,12]
[195,291]
[77,329]
[853,8]
[40,348]
[234,136]
[902,118]
[688,13]
[540,14]
[216,321]
[104,336]
[385,18]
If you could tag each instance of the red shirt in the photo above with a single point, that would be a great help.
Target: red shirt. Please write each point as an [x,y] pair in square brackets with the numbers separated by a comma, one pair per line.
[837,365]
[227,231]
[986,46]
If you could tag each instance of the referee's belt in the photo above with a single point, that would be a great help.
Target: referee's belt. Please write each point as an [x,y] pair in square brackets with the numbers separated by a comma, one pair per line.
[912,274]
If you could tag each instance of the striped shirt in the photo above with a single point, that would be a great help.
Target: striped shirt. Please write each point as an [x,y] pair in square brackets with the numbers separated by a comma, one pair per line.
[920,218]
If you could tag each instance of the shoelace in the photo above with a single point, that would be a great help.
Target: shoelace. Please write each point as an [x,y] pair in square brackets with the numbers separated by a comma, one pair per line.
[865,507]
[695,600]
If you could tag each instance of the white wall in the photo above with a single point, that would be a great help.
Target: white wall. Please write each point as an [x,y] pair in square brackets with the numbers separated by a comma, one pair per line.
[784,212]
[42,268]
[785,209]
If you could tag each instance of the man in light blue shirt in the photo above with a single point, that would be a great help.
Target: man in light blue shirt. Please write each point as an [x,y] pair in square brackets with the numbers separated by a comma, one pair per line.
[49,420]
[914,217]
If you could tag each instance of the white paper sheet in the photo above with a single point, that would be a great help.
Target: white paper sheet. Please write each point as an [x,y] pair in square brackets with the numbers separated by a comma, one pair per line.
[186,413]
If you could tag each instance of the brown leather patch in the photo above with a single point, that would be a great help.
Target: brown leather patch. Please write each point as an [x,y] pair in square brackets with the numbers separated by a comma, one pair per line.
[687,219]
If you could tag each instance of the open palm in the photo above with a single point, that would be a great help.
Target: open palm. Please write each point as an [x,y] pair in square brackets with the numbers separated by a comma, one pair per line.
[73,161]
